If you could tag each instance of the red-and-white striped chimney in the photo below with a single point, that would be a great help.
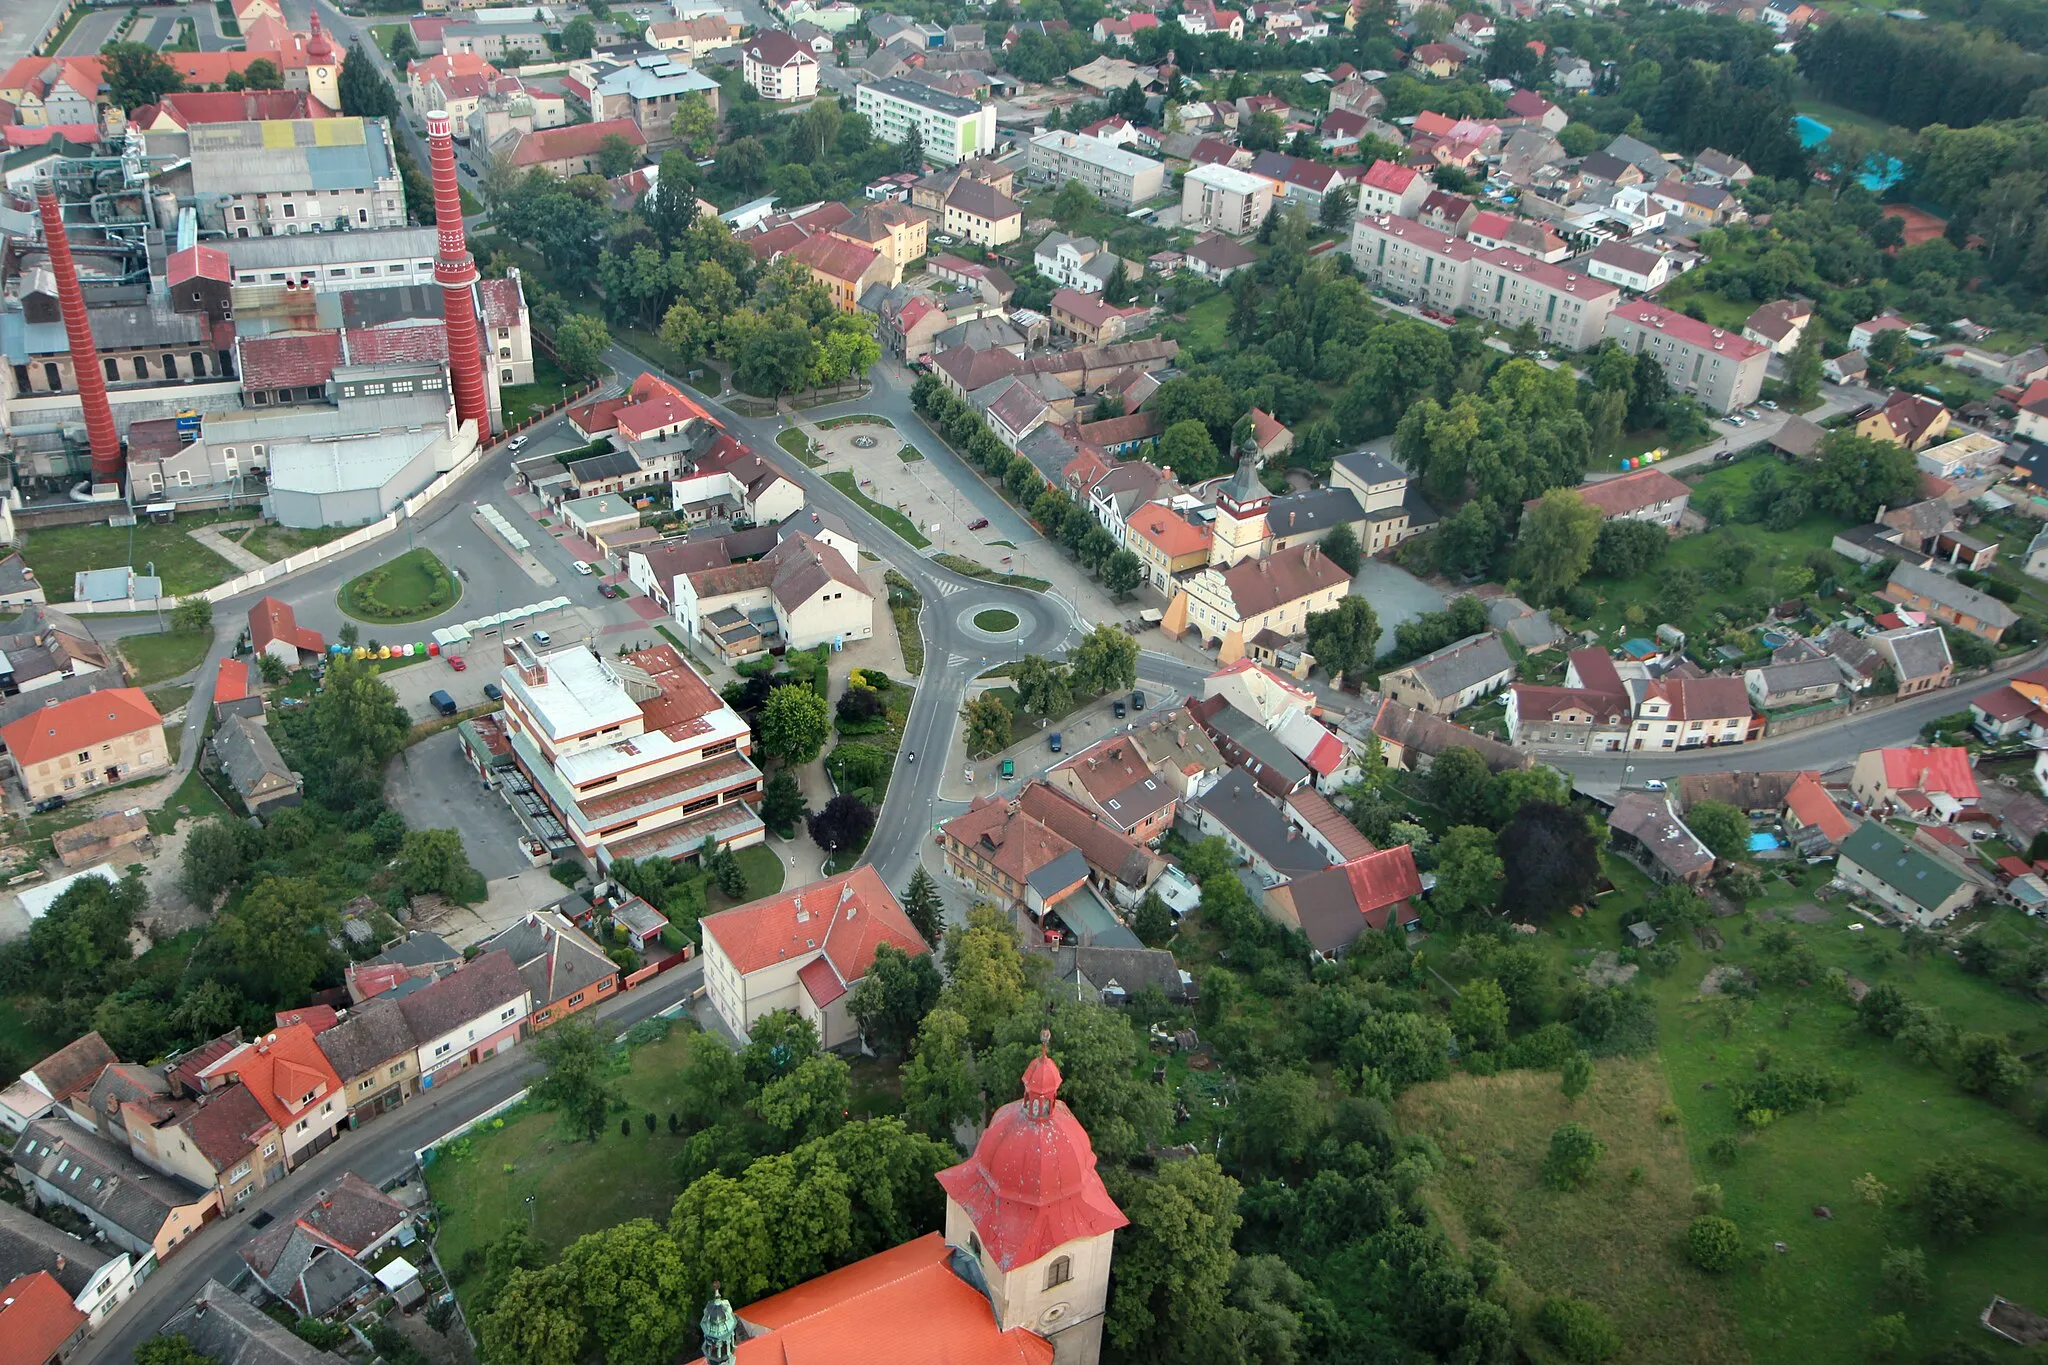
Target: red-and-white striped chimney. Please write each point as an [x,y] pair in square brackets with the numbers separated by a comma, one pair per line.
[455,272]
[85,356]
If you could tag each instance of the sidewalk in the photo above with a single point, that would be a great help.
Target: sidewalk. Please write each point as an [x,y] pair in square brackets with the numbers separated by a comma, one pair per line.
[213,539]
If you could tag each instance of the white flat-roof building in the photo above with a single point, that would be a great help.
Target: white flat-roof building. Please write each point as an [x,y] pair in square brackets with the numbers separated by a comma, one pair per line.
[1225,199]
[1121,179]
[952,128]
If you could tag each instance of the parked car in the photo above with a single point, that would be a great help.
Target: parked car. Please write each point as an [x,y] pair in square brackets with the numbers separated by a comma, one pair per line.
[978,524]
[1055,741]
[1117,709]
[1735,419]
[50,803]
[443,703]
[582,566]
[494,692]
[1138,701]
[1009,769]
[1655,784]
[1771,403]
[458,663]
[542,638]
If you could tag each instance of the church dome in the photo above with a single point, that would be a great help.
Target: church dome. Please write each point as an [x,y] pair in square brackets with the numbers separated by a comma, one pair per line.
[319,51]
[1031,1184]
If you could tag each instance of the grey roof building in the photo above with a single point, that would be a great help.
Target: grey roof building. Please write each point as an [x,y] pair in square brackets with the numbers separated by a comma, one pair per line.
[314,1259]
[1113,976]
[228,1329]
[135,1208]
[1453,677]
[1645,824]
[255,768]
[28,1244]
[1313,513]
[1255,829]
[558,962]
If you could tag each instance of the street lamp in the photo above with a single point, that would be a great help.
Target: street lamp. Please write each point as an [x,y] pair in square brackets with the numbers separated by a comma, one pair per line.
[1627,775]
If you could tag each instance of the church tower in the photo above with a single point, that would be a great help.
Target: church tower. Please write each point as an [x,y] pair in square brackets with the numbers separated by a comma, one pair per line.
[1030,1209]
[323,68]
[1241,512]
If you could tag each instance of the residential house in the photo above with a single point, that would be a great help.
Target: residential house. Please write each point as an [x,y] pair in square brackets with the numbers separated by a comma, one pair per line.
[1722,370]
[1937,594]
[38,1320]
[18,585]
[98,740]
[895,230]
[1412,739]
[254,767]
[1120,869]
[1167,543]
[1231,606]
[1528,107]
[779,67]
[1649,495]
[1439,60]
[59,1079]
[1774,686]
[1418,265]
[1864,333]
[1921,890]
[2036,562]
[274,630]
[1224,199]
[1912,420]
[982,214]
[97,1281]
[1930,784]
[1390,190]
[563,970]
[1009,854]
[1089,321]
[374,1052]
[1255,829]
[318,1260]
[467,1016]
[1851,367]
[1393,510]
[1121,179]
[220,1324]
[847,269]
[293,1082]
[1780,324]
[1251,746]
[1215,257]
[1114,779]
[574,150]
[1685,713]
[1078,263]
[1919,658]
[1446,212]
[802,593]
[1811,813]
[143,1212]
[1644,826]
[1632,267]
[1446,681]
[953,129]
[803,950]
[1333,906]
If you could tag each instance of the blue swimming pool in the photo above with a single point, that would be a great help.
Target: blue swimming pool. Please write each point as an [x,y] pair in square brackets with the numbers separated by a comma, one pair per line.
[1812,132]
[1762,842]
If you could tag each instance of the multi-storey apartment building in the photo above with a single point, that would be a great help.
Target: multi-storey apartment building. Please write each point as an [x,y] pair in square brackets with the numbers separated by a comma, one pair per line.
[1439,271]
[1224,198]
[952,129]
[635,757]
[1721,369]
[1120,179]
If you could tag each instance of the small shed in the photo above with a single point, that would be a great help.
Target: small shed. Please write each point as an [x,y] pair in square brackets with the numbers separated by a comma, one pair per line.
[1642,934]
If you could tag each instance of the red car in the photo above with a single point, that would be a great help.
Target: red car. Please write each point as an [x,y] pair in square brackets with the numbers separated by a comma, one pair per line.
[458,663]
[978,524]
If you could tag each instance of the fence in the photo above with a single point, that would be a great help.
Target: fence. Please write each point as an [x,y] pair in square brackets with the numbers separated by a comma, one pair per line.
[419,1155]
[654,969]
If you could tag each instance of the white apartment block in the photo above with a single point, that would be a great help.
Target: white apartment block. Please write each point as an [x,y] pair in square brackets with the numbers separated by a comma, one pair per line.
[1225,199]
[953,129]
[1435,270]
[1719,368]
[1120,179]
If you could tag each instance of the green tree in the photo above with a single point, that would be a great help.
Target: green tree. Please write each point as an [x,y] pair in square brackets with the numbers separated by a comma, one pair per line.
[1957,1196]
[1468,871]
[192,614]
[843,826]
[941,1083]
[1576,1076]
[1341,545]
[1174,1260]
[893,998]
[577,39]
[1154,923]
[1122,572]
[912,150]
[986,980]
[403,48]
[795,723]
[1106,660]
[136,74]
[536,1319]
[170,1350]
[1042,687]
[1074,202]
[1721,827]
[273,670]
[1117,290]
[1903,1272]
[1580,1330]
[1188,449]
[783,804]
[695,124]
[616,156]
[1345,639]
[1802,372]
[1480,1016]
[1625,548]
[272,946]
[810,1100]
[1457,783]
[1889,351]
[926,911]
[580,344]
[1555,546]
[434,861]
[364,92]
[777,1042]
[580,1083]
[1857,474]
[632,1284]
[985,724]
[216,856]
[711,1083]
[1713,1243]
[1574,1152]
[1336,211]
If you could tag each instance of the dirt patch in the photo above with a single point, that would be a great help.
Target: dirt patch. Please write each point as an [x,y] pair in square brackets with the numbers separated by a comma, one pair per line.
[1812,914]
[1707,937]
[1717,981]
[171,911]
[1858,988]
[1606,969]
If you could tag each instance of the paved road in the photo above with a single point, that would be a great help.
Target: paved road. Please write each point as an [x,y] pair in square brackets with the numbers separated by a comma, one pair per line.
[381,1150]
[21,23]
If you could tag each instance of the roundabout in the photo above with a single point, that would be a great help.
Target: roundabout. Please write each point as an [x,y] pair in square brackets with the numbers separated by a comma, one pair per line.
[996,621]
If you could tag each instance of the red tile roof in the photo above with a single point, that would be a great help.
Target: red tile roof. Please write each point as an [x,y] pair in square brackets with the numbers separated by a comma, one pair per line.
[78,724]
[1930,769]
[1381,879]
[580,139]
[225,1125]
[37,1318]
[232,682]
[198,262]
[1689,330]
[1385,175]
[285,1070]
[288,361]
[657,404]
[1810,802]
[1089,308]
[1173,534]
[419,344]
[503,300]
[835,257]
[271,619]
[845,917]
[820,982]
[1632,492]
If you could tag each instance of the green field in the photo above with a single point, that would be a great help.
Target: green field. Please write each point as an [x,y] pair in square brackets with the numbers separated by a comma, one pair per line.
[57,553]
[549,385]
[157,658]
[573,1187]
[412,587]
[764,878]
[888,516]
[383,34]
[273,542]
[799,445]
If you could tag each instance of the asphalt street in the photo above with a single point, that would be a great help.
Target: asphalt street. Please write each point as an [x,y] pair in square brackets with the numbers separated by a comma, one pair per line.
[379,1151]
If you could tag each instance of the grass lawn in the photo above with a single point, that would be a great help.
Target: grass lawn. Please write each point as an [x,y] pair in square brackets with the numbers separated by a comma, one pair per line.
[1726,314]
[169,699]
[57,553]
[843,480]
[1952,384]
[909,454]
[157,658]
[193,800]
[549,385]
[855,419]
[799,445]
[384,34]
[21,1044]
[575,1187]
[1614,1242]
[996,619]
[1204,325]
[274,542]
[764,878]
[412,587]
[974,569]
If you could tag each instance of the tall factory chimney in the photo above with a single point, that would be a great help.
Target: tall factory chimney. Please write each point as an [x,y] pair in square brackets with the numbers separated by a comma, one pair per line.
[85,357]
[455,272]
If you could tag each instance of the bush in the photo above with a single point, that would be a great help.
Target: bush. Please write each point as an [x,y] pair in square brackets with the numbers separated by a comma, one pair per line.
[1903,1271]
[1713,1243]
[1578,1329]
[1574,1152]
[1706,1199]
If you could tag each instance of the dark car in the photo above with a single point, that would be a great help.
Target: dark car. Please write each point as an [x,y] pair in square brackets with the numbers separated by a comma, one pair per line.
[443,703]
[1137,701]
[494,692]
[50,803]
[1055,741]
[978,524]
[1116,708]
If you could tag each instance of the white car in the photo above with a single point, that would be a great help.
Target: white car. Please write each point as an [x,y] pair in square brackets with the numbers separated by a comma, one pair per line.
[583,567]
[1735,420]
[515,443]
[1655,784]
[542,638]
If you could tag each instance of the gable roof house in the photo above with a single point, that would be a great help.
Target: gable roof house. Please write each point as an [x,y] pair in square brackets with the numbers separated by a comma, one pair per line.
[100,739]
[564,971]
[316,1261]
[1913,886]
[38,1320]
[1334,906]
[96,1281]
[1115,781]
[1119,867]
[254,767]
[803,950]
[274,630]
[1256,829]
[221,1325]
[468,1016]
[1412,739]
[144,1212]
[1645,826]
[1446,681]
[1928,784]
[1003,850]
[373,1051]
[1945,598]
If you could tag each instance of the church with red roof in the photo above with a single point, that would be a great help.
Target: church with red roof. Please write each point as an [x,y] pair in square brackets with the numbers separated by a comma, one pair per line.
[1019,1277]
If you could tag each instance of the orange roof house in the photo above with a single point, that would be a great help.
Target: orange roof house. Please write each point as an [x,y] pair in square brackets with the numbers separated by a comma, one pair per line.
[803,950]
[274,630]
[89,741]
[1003,849]
[846,269]
[41,1324]
[1809,804]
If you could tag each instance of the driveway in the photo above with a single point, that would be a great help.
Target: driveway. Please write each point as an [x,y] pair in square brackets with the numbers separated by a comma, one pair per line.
[1396,596]
[434,787]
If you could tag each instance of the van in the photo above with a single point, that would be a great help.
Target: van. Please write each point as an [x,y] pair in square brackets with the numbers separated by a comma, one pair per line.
[443,703]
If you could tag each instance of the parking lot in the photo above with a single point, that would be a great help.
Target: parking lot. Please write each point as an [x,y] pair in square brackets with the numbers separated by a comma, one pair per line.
[484,655]
[433,787]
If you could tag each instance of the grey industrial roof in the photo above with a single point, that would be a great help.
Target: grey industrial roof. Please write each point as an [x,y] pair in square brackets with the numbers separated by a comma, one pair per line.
[338,248]
[239,158]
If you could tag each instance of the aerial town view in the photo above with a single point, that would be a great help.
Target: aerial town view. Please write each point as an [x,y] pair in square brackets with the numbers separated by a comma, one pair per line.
[1023,682]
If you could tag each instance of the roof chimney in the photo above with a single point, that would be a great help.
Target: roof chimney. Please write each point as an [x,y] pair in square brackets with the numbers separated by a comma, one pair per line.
[455,272]
[85,356]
